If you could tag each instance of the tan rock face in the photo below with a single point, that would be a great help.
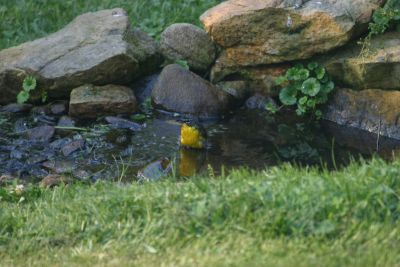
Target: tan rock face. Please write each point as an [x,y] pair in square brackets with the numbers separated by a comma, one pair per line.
[259,79]
[379,69]
[90,101]
[370,110]
[97,48]
[254,32]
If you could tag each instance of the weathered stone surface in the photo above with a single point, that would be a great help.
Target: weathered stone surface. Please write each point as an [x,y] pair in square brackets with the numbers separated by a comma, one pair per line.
[119,123]
[179,90]
[98,48]
[260,79]
[238,89]
[91,101]
[16,108]
[41,133]
[254,32]
[73,146]
[379,69]
[55,180]
[372,110]
[183,41]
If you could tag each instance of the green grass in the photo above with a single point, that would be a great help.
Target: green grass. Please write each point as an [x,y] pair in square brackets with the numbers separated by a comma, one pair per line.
[280,217]
[25,20]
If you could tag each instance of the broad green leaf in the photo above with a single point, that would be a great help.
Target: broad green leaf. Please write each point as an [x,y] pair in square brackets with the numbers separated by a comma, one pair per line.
[295,74]
[288,96]
[280,80]
[303,100]
[22,97]
[327,87]
[29,83]
[311,87]
[311,103]
[182,63]
[312,65]
[320,72]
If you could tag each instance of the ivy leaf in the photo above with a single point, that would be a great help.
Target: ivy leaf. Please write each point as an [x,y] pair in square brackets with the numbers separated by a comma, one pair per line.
[22,97]
[303,100]
[311,103]
[295,74]
[280,80]
[29,83]
[312,65]
[311,87]
[288,96]
[327,87]
[320,72]
[182,63]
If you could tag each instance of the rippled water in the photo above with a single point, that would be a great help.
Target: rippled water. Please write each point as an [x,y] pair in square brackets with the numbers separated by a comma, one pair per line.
[248,138]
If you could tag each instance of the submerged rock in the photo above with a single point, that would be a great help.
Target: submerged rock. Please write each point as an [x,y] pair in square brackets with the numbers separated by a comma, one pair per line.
[272,31]
[119,123]
[16,108]
[372,110]
[379,68]
[91,101]
[97,47]
[183,41]
[41,133]
[155,171]
[72,147]
[179,90]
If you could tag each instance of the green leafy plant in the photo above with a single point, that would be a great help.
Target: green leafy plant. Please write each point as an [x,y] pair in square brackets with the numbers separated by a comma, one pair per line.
[304,87]
[28,86]
[182,63]
[382,19]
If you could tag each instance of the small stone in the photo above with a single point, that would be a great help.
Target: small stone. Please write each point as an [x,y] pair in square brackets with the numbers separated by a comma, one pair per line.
[90,101]
[118,123]
[5,179]
[16,108]
[60,166]
[42,133]
[183,41]
[53,180]
[58,108]
[72,147]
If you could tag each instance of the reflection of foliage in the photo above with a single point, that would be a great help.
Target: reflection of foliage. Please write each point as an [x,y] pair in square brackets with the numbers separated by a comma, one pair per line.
[305,87]
[298,137]
[3,119]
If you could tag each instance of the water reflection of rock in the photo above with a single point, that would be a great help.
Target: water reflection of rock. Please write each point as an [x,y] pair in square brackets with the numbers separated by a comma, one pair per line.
[365,142]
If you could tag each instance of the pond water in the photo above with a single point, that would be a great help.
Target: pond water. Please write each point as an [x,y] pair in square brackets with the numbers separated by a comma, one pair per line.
[247,138]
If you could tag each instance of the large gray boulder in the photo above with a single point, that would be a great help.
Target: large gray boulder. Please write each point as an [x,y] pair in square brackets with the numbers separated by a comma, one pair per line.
[179,90]
[372,110]
[97,48]
[256,32]
[183,41]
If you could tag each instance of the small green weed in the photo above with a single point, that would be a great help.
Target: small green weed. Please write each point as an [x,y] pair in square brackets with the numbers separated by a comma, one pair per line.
[28,86]
[306,87]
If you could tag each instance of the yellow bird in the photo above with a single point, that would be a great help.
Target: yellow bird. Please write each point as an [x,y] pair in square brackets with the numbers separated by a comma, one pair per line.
[192,136]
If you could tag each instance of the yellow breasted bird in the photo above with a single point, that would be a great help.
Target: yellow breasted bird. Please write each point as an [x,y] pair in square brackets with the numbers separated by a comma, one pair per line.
[193,136]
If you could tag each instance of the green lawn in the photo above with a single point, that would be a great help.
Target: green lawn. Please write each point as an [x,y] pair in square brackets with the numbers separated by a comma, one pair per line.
[25,20]
[280,217]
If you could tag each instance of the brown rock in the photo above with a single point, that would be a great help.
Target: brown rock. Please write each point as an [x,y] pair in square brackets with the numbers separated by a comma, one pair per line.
[55,180]
[371,110]
[255,32]
[90,101]
[379,68]
[41,133]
